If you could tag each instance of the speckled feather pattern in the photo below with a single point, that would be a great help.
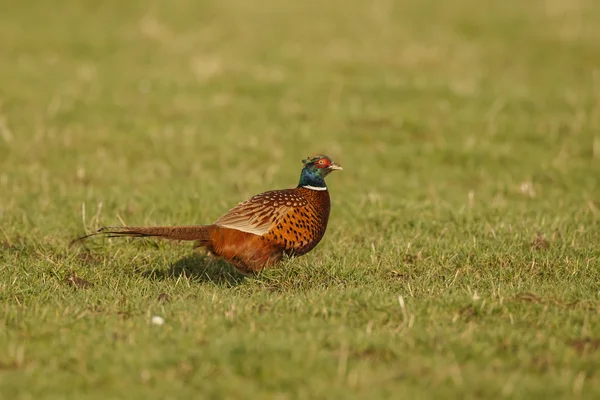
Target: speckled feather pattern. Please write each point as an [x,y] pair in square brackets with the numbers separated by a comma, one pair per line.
[303,227]
[260,213]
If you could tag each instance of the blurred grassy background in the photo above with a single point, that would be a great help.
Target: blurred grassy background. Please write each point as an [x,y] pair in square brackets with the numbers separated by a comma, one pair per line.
[468,130]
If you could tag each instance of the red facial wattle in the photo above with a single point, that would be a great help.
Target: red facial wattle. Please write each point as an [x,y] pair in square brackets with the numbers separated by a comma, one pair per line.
[323,163]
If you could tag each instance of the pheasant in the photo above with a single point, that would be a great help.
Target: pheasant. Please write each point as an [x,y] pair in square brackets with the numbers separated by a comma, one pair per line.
[256,233]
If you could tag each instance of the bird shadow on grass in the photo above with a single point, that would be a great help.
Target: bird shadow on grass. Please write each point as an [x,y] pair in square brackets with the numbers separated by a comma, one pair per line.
[199,268]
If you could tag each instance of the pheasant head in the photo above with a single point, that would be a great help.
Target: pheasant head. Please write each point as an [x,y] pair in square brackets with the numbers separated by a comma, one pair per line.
[315,170]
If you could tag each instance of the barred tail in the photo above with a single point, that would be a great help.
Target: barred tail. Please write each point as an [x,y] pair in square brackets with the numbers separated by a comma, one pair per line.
[194,232]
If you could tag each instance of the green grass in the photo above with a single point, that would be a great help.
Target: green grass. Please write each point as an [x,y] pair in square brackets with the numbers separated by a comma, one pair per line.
[462,259]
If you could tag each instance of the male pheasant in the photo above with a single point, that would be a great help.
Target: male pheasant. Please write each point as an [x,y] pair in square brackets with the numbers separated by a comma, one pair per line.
[256,233]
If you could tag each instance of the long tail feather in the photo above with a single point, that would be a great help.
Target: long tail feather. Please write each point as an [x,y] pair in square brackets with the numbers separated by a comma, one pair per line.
[193,232]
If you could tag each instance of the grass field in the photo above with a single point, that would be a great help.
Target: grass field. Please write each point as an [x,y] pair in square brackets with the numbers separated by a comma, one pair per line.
[462,258]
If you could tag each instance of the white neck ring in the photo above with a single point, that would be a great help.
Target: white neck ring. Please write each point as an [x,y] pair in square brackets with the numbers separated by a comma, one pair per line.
[314,187]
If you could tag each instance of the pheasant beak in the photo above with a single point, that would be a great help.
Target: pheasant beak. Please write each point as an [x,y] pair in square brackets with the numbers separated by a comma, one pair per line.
[335,167]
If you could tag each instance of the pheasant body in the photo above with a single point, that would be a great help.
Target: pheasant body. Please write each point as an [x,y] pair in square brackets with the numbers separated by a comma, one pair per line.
[258,232]
[301,229]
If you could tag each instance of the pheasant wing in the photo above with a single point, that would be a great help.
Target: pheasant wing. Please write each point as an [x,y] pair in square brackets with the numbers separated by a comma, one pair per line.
[260,213]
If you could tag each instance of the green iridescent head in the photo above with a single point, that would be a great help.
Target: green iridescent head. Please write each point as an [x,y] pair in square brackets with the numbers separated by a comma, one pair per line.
[315,170]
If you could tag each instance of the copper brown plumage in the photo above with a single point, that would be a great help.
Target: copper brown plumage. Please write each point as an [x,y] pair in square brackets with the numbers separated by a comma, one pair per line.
[258,232]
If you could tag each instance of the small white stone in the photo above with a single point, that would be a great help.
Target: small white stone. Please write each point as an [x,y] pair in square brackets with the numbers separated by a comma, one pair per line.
[156,320]
[527,188]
